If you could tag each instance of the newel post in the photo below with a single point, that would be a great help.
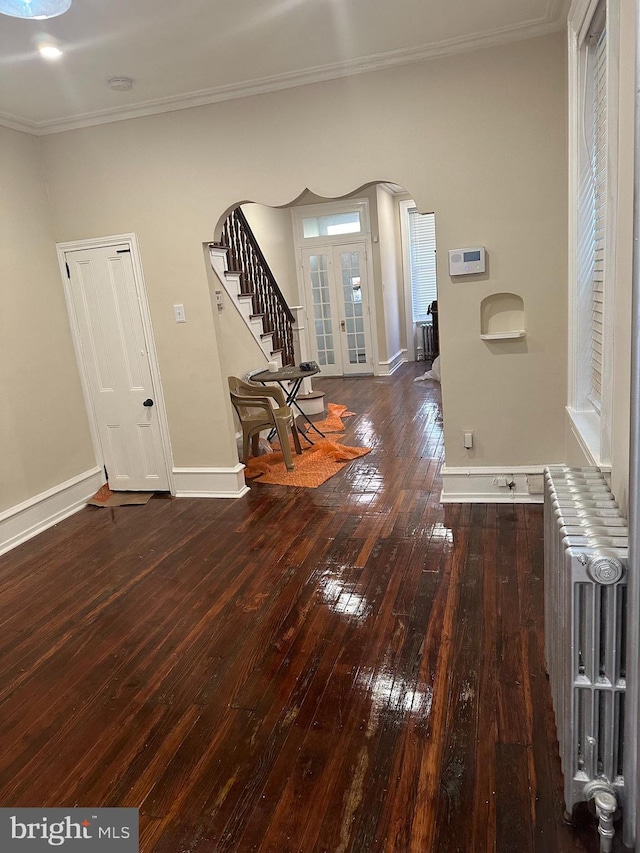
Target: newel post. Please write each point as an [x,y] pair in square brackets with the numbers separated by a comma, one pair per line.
[300,342]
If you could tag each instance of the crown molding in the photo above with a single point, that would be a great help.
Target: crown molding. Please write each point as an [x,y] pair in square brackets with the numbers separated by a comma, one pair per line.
[553,20]
[16,123]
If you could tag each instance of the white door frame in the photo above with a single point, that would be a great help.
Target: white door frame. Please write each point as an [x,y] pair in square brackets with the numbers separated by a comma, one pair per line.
[300,243]
[410,326]
[102,243]
[331,249]
[404,207]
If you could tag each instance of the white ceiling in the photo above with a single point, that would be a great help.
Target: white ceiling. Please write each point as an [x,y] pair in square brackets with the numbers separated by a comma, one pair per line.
[185,52]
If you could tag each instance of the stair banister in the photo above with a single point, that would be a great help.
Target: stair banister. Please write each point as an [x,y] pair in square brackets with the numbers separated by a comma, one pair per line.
[246,256]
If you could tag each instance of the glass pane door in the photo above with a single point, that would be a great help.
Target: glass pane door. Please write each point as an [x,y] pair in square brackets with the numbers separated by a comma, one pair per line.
[336,282]
[352,295]
[322,320]
[355,334]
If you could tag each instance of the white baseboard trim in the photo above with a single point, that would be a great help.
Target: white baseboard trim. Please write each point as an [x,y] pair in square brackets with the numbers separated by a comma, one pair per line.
[386,368]
[24,521]
[477,485]
[210,482]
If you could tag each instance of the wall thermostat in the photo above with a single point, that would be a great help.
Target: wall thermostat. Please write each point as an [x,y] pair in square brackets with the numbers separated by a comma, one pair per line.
[466,261]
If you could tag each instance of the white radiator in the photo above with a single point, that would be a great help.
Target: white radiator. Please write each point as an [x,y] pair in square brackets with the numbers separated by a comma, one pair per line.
[425,341]
[585,562]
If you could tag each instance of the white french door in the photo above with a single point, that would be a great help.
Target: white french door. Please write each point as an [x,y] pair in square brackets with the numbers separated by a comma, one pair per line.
[105,305]
[336,289]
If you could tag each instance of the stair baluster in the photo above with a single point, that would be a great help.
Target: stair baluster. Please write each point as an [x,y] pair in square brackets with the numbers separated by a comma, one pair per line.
[245,256]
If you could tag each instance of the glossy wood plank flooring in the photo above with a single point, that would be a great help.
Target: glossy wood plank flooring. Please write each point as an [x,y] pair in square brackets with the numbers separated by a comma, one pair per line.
[352,668]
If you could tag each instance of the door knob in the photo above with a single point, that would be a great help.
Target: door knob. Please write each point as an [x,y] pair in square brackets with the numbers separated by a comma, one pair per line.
[148,402]
[343,325]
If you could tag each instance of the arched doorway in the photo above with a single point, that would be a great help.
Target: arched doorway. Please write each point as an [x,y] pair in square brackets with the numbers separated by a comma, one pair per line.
[343,261]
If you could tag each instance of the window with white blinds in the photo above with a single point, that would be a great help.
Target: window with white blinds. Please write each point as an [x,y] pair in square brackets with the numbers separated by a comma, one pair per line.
[422,261]
[599,199]
[594,71]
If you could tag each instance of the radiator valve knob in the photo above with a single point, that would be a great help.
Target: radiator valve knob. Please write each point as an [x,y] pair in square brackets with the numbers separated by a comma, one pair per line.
[605,569]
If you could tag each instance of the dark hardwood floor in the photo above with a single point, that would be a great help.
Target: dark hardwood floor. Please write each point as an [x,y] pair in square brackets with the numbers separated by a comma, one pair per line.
[353,668]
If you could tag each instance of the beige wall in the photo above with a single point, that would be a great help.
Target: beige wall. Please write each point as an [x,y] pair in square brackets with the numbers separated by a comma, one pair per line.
[479,138]
[44,432]
[239,350]
[574,453]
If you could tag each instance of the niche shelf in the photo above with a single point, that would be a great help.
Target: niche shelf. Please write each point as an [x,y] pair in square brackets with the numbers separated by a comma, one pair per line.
[511,335]
[502,317]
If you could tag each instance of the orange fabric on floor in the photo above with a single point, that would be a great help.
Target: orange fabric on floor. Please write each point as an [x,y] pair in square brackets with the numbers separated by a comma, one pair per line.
[103,494]
[333,421]
[312,468]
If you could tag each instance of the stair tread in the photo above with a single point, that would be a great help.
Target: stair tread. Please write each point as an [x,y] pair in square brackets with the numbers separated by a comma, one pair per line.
[314,395]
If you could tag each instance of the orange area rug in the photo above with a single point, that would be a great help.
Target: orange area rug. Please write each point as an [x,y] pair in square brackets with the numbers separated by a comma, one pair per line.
[314,467]
[333,421]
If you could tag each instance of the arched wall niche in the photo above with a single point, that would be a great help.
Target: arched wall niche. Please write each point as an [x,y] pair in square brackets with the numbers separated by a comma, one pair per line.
[502,316]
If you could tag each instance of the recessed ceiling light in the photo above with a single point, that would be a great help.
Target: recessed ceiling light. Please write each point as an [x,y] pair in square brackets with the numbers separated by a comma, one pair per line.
[50,52]
[34,9]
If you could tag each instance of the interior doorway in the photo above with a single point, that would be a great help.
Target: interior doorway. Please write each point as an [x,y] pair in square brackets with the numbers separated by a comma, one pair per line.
[111,327]
[336,289]
[348,326]
[334,245]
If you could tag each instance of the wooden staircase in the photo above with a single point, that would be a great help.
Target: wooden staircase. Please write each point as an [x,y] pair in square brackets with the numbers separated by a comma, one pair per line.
[247,279]
[243,303]
[241,266]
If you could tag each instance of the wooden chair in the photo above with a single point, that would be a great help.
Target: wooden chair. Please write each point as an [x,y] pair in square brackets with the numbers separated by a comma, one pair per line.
[256,412]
